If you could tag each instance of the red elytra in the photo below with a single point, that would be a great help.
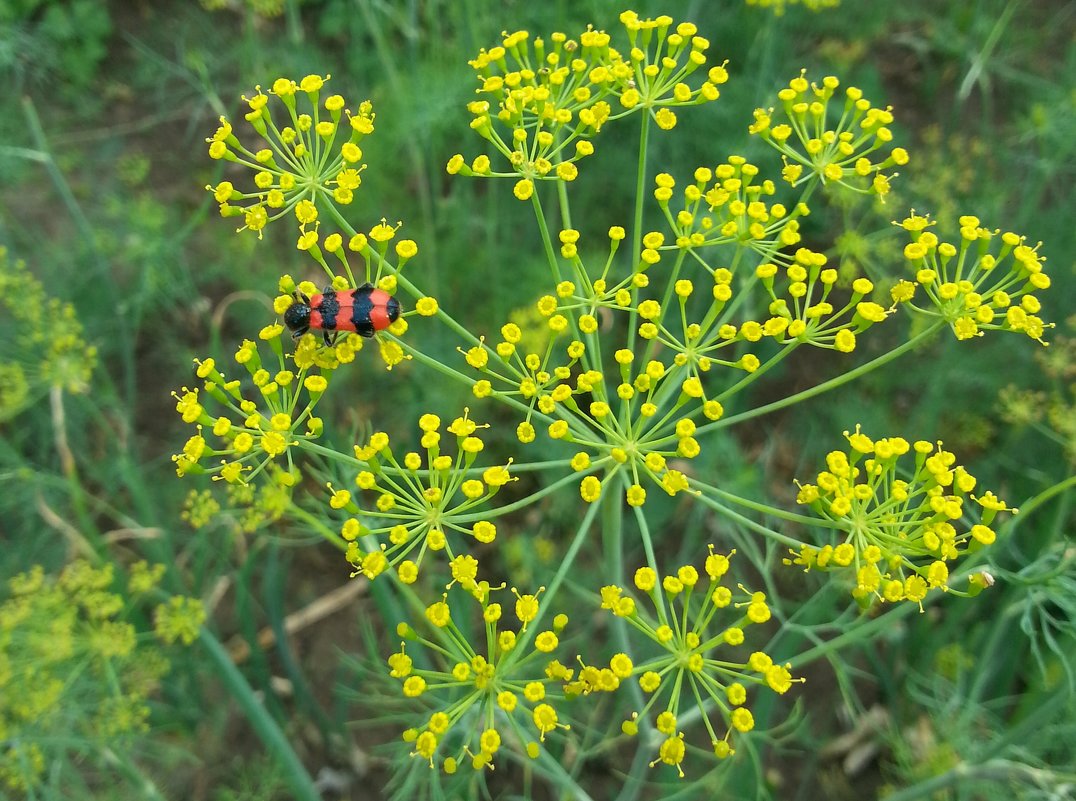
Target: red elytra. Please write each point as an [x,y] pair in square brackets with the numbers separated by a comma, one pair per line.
[364,310]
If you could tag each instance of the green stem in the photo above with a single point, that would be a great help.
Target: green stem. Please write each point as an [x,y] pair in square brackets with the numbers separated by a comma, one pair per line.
[750,378]
[825,386]
[119,320]
[322,530]
[856,633]
[613,545]
[37,133]
[302,786]
[1004,772]
[411,144]
[644,534]
[765,509]
[554,585]
[1035,502]
[747,522]
[565,784]
[146,788]
[523,503]
[637,218]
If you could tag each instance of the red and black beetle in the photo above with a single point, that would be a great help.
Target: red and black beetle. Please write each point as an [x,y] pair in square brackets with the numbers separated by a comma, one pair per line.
[365,310]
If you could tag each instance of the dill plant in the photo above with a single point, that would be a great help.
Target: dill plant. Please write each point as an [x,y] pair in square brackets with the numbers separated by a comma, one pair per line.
[649,335]
[77,675]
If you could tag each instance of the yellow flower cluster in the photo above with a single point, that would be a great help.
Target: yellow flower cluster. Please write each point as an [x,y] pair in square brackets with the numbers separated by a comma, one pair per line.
[805,313]
[973,287]
[499,696]
[551,98]
[661,59]
[900,534]
[419,501]
[247,507]
[625,436]
[72,669]
[178,620]
[308,159]
[687,671]
[812,150]
[725,206]
[251,434]
[42,345]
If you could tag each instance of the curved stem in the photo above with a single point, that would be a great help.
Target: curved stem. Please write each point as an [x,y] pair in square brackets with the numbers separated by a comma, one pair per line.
[1036,501]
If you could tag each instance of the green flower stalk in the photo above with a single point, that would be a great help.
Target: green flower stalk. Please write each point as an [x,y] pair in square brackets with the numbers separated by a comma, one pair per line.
[489,692]
[700,662]
[901,535]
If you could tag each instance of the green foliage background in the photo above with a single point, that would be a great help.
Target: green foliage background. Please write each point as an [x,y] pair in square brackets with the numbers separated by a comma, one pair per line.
[102,169]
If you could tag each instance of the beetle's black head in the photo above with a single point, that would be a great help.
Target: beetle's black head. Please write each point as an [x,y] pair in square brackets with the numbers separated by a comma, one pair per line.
[297,317]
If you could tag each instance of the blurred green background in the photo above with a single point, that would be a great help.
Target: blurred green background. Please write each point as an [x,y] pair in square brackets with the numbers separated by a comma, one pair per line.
[103,169]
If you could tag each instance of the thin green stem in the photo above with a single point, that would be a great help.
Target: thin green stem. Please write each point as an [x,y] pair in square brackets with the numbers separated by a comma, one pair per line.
[750,378]
[554,585]
[565,784]
[523,503]
[318,526]
[145,786]
[637,218]
[825,386]
[302,786]
[859,631]
[1029,506]
[772,511]
[411,144]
